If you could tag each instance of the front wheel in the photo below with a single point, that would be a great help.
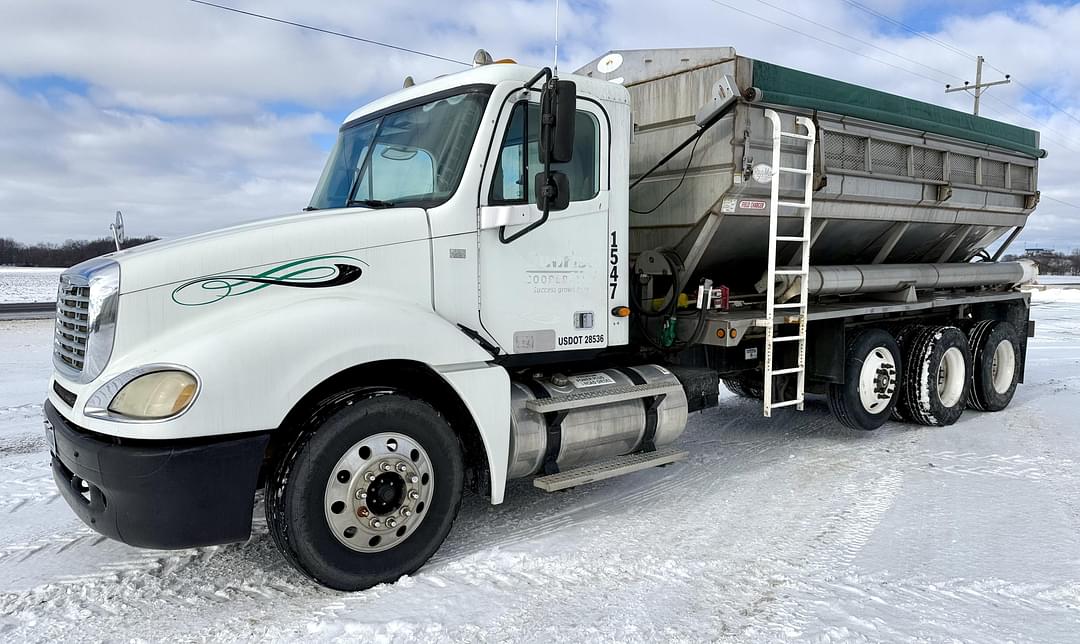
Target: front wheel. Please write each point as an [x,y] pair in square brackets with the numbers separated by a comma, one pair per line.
[367,495]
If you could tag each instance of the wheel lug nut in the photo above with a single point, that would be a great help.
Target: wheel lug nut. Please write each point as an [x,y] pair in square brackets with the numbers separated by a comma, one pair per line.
[401,467]
[361,495]
[390,523]
[361,512]
[386,467]
[370,476]
[406,512]
[414,478]
[414,495]
[375,523]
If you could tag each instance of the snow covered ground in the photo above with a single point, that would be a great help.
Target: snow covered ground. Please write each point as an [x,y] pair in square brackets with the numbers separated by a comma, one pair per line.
[19,284]
[774,529]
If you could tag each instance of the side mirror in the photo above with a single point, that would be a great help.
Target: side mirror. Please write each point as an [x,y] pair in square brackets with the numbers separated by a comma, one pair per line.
[554,194]
[558,105]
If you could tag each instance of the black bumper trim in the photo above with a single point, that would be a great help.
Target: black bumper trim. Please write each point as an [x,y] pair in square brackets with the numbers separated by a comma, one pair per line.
[163,495]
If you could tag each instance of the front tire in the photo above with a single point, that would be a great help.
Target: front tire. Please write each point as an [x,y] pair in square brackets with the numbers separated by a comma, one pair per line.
[937,364]
[871,379]
[367,495]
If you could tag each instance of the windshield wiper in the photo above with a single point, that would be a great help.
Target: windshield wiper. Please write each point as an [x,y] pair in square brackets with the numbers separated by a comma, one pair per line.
[370,203]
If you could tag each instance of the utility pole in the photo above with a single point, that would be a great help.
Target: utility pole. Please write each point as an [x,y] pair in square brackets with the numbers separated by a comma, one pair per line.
[979,86]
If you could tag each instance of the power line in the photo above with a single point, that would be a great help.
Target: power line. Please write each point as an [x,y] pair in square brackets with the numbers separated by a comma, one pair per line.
[959,51]
[1060,138]
[330,32]
[1062,202]
[821,40]
[857,39]
[1042,98]
[918,33]
[878,60]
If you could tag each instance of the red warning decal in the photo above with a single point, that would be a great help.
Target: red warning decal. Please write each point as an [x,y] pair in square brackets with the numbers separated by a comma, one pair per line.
[752,204]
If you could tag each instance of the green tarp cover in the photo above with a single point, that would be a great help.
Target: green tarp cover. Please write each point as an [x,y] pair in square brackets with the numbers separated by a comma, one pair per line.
[783,86]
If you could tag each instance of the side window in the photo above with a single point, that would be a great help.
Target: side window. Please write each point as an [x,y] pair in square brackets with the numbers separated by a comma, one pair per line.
[519,160]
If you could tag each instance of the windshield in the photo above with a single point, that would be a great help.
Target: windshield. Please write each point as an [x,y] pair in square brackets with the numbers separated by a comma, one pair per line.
[414,156]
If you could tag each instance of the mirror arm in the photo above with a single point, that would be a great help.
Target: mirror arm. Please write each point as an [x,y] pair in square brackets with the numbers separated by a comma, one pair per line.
[544,73]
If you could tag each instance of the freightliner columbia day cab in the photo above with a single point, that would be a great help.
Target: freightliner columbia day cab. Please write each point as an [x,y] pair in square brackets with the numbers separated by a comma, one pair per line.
[505,275]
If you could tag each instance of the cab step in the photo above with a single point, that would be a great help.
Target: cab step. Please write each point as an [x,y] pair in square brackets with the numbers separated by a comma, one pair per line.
[609,469]
[601,396]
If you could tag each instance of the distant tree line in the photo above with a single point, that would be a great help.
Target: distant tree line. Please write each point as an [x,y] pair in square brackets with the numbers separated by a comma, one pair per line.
[1051,262]
[71,252]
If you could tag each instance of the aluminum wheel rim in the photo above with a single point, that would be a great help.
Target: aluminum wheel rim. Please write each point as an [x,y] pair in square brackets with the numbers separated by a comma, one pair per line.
[950,377]
[1003,366]
[877,380]
[379,491]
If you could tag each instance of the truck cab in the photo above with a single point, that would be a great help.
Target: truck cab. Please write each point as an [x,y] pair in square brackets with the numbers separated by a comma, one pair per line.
[189,372]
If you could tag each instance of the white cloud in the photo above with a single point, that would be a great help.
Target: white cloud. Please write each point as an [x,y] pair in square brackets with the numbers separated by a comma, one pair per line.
[177,124]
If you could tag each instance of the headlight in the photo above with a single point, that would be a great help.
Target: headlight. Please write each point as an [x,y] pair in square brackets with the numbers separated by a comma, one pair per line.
[154,392]
[86,318]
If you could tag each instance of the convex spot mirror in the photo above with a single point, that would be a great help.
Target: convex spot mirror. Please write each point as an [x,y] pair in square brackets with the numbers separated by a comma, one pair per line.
[554,194]
[558,104]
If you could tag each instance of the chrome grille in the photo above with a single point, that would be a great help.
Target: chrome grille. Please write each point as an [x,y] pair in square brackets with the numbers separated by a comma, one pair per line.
[72,324]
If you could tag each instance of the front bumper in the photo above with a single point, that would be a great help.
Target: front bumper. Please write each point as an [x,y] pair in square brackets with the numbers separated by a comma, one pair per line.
[172,494]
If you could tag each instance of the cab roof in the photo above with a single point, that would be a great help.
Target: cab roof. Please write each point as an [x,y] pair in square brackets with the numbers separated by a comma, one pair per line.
[491,74]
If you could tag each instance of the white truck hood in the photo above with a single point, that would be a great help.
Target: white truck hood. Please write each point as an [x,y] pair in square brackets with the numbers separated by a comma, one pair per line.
[255,245]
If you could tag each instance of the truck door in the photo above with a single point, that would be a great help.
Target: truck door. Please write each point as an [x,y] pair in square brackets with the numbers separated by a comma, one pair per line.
[548,289]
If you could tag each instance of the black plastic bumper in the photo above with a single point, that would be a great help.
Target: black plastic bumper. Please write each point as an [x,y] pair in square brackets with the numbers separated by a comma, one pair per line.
[158,495]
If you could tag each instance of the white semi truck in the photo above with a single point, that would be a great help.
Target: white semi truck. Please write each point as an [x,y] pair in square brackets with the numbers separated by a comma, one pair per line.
[502,274]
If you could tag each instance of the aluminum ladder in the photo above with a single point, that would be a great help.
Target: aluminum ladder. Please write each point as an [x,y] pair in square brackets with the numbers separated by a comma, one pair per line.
[801,272]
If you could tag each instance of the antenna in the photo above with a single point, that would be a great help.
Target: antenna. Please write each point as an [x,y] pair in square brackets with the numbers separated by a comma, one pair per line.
[556,72]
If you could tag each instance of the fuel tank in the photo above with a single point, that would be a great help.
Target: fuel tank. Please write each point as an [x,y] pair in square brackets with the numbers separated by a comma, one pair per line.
[595,432]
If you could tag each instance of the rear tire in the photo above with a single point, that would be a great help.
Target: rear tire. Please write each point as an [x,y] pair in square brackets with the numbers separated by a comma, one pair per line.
[361,463]
[995,351]
[937,367]
[872,372]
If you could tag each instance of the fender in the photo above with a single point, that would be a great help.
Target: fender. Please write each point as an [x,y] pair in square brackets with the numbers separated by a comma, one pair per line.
[279,352]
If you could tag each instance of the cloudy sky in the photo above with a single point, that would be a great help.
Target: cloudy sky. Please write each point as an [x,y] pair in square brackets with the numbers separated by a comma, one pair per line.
[188,118]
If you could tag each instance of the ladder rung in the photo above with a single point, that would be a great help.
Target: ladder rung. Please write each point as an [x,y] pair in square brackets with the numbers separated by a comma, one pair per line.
[794,170]
[793,204]
[780,372]
[786,403]
[788,305]
[785,319]
[793,135]
[790,272]
[792,239]
[789,338]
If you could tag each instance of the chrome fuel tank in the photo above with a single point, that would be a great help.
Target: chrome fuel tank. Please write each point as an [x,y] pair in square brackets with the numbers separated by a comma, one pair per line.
[595,432]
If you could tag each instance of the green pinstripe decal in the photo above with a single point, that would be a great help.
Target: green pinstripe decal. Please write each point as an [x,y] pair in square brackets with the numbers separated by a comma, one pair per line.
[322,271]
